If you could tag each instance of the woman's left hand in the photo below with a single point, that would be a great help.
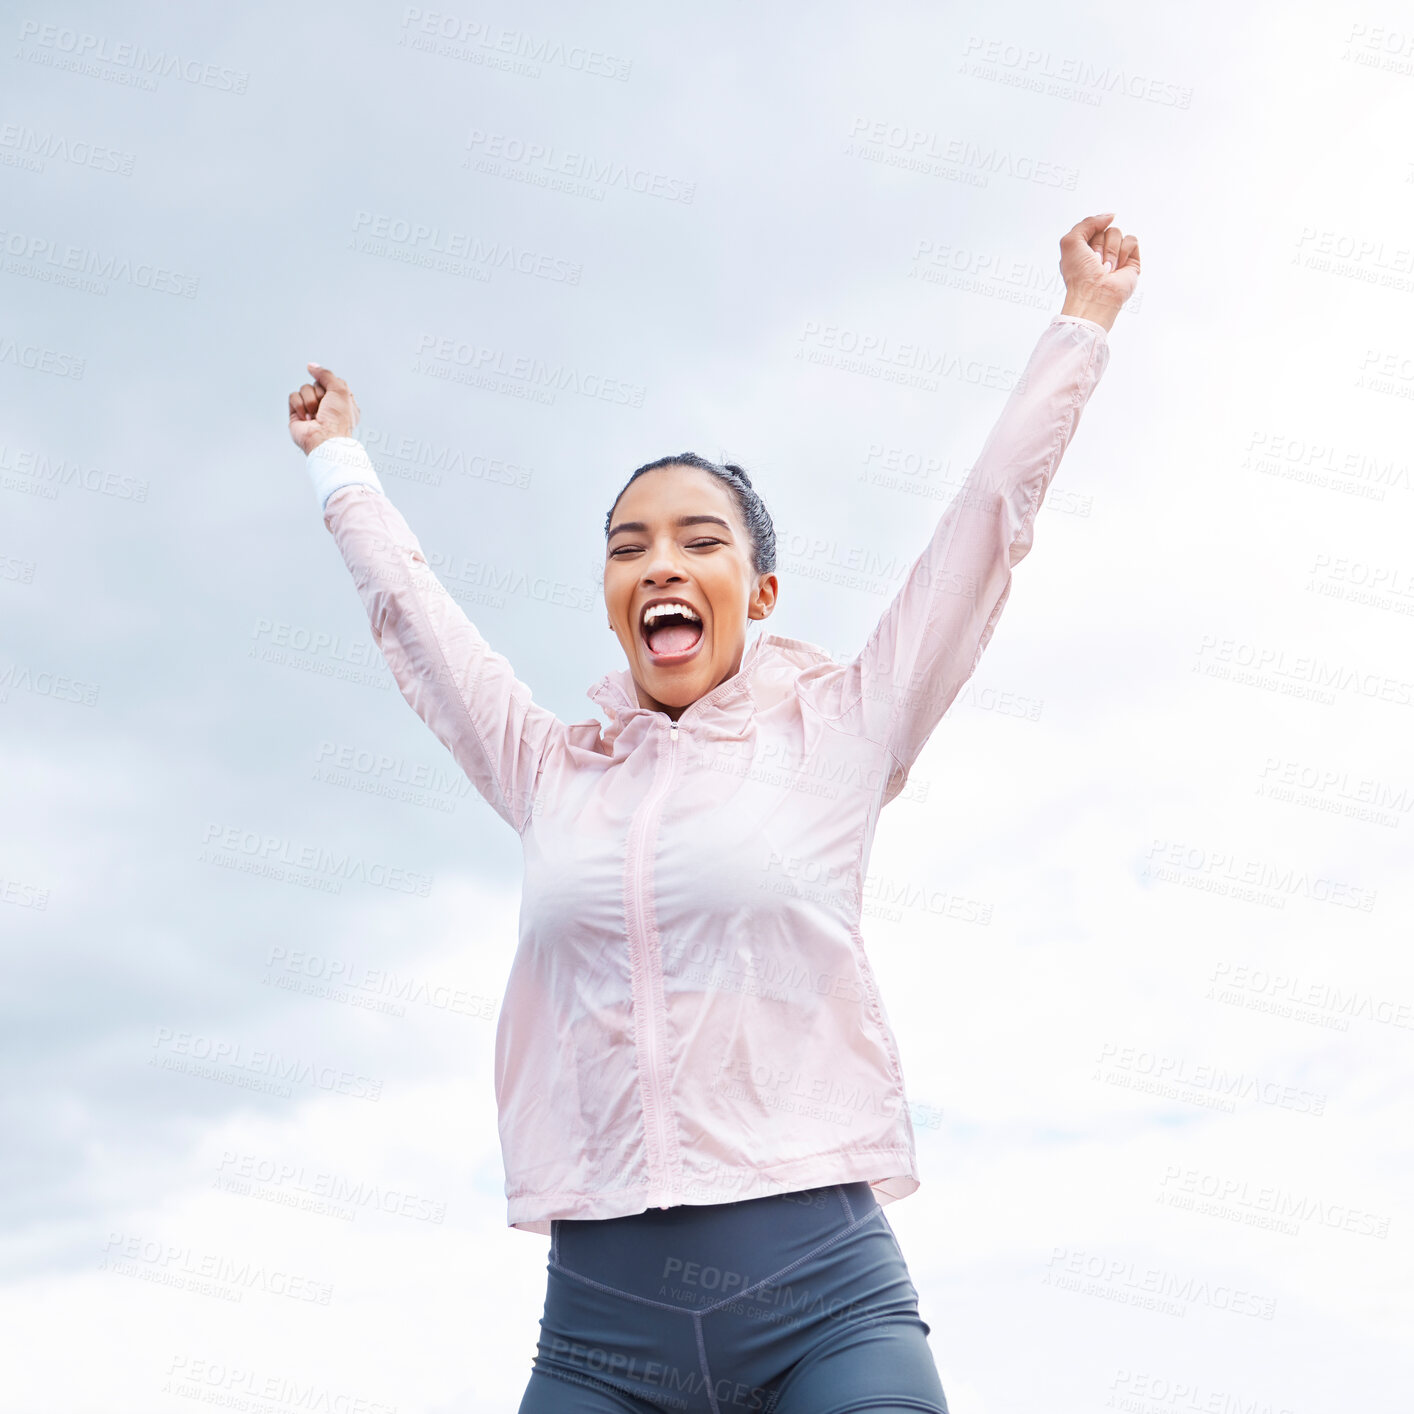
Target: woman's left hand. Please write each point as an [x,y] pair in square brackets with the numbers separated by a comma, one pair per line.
[1100,267]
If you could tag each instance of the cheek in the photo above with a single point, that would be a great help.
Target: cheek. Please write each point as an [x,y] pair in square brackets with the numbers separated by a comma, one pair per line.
[728,601]
[615,605]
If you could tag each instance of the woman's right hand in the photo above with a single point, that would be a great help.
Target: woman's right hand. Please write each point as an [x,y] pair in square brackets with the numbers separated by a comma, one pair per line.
[322,409]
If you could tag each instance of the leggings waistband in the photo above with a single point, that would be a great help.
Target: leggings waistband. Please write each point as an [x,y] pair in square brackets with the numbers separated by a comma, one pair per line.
[708,1249]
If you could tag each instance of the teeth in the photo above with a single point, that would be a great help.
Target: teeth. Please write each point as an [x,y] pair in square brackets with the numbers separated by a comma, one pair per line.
[671,607]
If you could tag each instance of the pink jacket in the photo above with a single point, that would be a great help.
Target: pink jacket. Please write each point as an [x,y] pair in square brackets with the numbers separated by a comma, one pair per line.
[691,1016]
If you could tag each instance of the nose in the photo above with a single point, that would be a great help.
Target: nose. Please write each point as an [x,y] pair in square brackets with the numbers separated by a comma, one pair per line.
[662,565]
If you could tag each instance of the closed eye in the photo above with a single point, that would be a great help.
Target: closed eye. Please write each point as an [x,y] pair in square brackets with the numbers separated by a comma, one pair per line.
[692,545]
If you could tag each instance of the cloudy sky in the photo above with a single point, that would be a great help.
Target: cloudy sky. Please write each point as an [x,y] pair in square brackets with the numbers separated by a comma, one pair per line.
[1168,1058]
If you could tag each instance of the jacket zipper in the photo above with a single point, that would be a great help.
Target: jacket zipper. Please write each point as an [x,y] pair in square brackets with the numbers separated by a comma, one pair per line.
[656,1088]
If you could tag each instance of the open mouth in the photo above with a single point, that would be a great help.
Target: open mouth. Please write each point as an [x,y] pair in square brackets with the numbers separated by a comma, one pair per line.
[672,631]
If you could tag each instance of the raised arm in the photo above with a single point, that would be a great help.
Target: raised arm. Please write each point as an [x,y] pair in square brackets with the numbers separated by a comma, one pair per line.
[465,691]
[930,638]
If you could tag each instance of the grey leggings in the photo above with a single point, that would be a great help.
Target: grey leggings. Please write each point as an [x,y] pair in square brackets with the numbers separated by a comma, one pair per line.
[798,1303]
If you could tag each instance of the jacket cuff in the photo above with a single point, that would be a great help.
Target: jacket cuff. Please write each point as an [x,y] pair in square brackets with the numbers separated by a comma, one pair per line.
[1080,319]
[338,462]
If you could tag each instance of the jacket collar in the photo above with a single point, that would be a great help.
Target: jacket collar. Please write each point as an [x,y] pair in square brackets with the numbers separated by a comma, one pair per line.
[726,710]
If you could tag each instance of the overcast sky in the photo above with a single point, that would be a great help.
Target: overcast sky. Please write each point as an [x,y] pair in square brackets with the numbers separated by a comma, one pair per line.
[1141,920]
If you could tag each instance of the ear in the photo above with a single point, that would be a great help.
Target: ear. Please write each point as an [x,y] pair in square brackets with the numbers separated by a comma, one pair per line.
[763,597]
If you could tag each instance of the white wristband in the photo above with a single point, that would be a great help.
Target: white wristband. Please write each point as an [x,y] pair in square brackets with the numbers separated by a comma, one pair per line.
[1081,319]
[340,461]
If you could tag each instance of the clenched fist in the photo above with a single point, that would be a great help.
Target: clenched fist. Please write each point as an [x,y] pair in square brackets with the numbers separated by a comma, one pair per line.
[322,409]
[1100,267]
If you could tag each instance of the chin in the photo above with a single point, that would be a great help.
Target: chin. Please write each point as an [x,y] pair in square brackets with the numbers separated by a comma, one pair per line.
[676,690]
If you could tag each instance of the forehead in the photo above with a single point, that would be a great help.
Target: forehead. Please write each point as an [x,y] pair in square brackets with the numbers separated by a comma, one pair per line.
[672,491]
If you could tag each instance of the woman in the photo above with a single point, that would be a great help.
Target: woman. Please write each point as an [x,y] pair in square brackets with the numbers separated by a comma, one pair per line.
[700,1097]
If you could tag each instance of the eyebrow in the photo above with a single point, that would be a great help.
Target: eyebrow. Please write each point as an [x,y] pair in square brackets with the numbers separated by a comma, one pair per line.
[680,521]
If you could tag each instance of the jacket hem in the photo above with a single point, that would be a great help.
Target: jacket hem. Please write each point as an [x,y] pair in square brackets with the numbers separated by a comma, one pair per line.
[891,1173]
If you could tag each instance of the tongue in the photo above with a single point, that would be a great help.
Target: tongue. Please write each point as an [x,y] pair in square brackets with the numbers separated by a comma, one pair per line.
[673,638]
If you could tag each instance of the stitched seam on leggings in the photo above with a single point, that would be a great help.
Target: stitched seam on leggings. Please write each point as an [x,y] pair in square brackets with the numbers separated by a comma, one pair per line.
[844,1198]
[871,1401]
[776,1276]
[706,1368]
[627,1295]
[597,1383]
[894,1401]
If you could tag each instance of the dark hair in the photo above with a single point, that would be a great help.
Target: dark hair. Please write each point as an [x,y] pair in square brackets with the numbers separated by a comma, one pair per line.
[754,514]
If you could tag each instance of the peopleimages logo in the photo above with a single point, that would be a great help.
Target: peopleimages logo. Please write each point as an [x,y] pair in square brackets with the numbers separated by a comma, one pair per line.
[42,258]
[58,47]
[255,1068]
[32,148]
[24,469]
[454,252]
[40,359]
[233,845]
[579,173]
[464,361]
[937,154]
[452,37]
[246,1174]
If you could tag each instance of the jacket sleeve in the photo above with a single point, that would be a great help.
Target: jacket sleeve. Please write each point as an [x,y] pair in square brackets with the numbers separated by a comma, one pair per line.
[929,640]
[466,692]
